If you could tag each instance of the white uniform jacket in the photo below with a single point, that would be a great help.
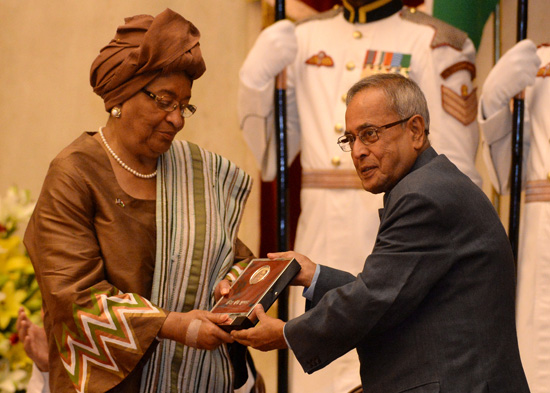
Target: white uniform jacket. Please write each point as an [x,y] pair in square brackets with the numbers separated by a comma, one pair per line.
[533,291]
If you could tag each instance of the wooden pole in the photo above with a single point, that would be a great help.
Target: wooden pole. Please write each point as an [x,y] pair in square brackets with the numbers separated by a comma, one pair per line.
[497,45]
[283,220]
[517,144]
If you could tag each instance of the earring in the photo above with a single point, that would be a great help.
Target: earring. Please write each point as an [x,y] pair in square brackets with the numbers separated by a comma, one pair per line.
[116,112]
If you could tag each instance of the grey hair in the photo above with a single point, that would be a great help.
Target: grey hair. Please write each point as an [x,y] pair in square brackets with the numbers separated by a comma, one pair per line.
[403,95]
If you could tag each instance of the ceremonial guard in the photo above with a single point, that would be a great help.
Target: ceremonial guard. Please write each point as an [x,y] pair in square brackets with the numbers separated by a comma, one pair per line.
[522,66]
[325,55]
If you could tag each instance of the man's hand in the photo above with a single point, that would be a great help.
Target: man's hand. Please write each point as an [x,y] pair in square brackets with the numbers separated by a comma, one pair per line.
[268,335]
[304,277]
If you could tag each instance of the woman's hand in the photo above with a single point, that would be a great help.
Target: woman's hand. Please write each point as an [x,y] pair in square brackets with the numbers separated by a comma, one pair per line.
[197,329]
[34,340]
[305,275]
[222,289]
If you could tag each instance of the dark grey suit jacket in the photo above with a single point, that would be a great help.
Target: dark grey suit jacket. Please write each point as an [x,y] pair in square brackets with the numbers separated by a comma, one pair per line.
[433,308]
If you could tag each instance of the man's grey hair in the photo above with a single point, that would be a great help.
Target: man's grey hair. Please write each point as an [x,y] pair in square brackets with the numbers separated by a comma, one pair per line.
[404,96]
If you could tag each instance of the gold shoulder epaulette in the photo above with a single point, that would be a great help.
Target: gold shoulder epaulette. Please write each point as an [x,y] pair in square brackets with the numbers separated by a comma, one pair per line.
[544,70]
[321,15]
[445,34]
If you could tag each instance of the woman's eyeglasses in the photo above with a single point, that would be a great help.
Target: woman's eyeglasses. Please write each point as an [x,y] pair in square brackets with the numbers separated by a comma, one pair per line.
[169,105]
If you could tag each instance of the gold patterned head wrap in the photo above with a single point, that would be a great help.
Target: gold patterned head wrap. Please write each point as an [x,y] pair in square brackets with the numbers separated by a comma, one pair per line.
[142,48]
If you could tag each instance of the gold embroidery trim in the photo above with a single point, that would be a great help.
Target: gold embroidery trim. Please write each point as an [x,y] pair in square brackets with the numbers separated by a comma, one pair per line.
[463,108]
[461,65]
[362,11]
[544,71]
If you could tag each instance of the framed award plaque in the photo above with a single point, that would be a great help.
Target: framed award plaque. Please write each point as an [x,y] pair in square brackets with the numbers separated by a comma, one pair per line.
[262,282]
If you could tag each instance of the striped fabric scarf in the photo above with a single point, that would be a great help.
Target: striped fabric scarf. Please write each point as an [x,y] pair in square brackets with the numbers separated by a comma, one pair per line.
[200,198]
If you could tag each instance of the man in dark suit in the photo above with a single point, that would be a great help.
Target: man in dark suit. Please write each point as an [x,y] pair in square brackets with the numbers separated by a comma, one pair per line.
[433,308]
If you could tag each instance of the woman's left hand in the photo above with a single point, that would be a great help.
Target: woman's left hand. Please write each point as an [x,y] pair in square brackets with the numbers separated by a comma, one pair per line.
[222,289]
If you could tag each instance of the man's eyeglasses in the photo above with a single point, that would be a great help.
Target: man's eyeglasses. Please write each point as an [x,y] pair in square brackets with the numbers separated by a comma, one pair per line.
[169,105]
[368,135]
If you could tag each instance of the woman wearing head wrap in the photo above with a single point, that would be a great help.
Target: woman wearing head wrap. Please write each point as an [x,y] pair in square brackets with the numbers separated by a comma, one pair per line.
[134,232]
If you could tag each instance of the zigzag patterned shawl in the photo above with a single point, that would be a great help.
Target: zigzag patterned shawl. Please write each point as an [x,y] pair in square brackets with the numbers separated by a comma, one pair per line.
[200,198]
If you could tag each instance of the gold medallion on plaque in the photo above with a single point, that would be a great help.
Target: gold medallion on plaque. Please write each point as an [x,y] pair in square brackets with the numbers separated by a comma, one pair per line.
[260,274]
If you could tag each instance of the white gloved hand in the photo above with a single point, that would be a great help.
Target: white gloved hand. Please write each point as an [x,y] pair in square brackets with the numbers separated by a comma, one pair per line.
[516,70]
[275,48]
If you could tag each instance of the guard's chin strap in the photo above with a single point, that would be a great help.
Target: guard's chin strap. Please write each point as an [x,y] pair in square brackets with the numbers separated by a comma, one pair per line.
[372,11]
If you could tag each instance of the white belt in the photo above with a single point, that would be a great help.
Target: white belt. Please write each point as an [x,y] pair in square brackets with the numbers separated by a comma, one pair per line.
[537,191]
[331,178]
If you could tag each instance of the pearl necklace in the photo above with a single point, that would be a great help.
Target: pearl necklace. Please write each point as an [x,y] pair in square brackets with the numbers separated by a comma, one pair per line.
[122,163]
